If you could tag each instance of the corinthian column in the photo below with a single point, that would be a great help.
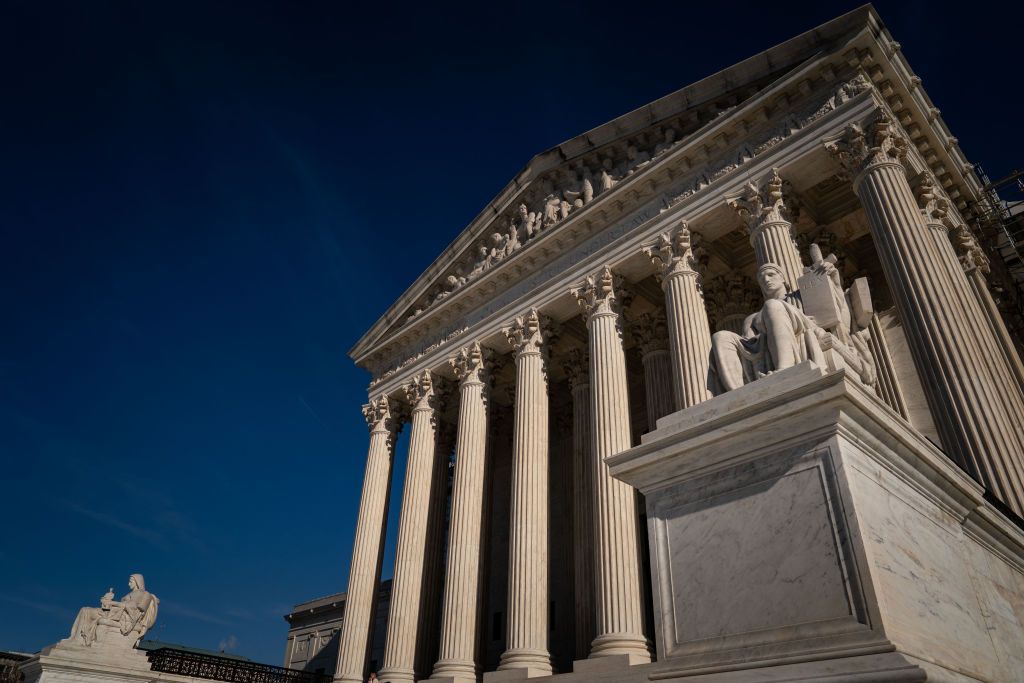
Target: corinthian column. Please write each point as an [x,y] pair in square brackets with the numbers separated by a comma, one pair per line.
[404,623]
[618,579]
[766,218]
[577,368]
[687,319]
[463,591]
[976,418]
[368,549]
[651,334]
[527,640]
[976,267]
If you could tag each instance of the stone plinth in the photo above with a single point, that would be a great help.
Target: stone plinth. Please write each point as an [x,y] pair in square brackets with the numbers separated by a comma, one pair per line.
[799,522]
[116,659]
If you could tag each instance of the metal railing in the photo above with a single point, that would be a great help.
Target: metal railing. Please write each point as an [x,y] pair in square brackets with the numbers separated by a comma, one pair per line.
[197,665]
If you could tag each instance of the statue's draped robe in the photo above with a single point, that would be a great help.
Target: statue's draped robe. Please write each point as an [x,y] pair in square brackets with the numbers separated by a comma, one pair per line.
[776,337]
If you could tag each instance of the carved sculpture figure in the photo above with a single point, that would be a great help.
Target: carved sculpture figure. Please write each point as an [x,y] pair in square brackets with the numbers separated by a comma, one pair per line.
[668,139]
[607,168]
[130,617]
[783,333]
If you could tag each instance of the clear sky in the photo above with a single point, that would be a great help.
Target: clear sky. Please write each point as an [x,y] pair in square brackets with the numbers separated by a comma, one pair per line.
[205,204]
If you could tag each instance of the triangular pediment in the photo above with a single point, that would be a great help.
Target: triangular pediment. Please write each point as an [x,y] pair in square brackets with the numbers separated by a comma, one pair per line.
[564,180]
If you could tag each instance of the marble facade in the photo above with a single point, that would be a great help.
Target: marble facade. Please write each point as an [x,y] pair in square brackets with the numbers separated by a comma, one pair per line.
[643,277]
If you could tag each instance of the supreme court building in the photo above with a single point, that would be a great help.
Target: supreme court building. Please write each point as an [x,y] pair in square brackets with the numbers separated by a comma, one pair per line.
[717,391]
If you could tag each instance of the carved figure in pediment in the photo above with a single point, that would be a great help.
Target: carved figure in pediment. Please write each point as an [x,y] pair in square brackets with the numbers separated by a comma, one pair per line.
[529,223]
[584,193]
[668,139]
[607,179]
[555,208]
[636,158]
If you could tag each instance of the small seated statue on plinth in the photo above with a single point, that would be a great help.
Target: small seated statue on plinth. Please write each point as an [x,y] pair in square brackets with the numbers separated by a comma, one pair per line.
[819,322]
[128,618]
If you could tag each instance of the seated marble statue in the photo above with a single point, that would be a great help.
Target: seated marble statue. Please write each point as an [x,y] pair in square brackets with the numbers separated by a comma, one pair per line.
[131,616]
[783,333]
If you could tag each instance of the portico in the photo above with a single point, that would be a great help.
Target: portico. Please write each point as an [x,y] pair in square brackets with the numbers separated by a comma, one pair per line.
[580,307]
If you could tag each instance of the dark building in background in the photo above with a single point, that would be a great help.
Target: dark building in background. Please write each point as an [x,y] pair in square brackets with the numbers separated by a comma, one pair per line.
[314,627]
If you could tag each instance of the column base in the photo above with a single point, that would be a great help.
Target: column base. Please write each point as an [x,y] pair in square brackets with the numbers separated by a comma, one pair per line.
[537,662]
[622,646]
[396,676]
[454,671]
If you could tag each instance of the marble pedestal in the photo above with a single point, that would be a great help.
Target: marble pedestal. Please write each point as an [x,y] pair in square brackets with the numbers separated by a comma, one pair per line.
[801,530]
[108,660]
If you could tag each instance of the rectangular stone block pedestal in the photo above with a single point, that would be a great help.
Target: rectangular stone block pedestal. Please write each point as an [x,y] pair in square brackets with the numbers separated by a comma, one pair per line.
[801,530]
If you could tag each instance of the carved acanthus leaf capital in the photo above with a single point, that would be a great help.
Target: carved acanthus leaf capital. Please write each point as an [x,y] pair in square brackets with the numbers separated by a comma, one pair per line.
[650,332]
[601,294]
[761,205]
[472,364]
[577,367]
[676,252]
[381,415]
[422,392]
[526,333]
[860,147]
[934,207]
[730,296]
[968,250]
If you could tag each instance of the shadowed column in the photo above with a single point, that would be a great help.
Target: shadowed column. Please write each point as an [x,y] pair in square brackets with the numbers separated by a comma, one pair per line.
[578,369]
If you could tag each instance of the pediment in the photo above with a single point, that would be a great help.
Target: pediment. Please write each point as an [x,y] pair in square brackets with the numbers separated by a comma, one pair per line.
[563,181]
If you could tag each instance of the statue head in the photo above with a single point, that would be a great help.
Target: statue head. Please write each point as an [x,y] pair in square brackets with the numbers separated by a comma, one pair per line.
[135,581]
[773,281]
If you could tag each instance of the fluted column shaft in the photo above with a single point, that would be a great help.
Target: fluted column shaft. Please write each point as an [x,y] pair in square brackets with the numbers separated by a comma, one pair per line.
[979,284]
[406,588]
[974,422]
[773,243]
[583,503]
[689,338]
[463,593]
[368,548]
[658,385]
[618,579]
[689,334]
[527,637]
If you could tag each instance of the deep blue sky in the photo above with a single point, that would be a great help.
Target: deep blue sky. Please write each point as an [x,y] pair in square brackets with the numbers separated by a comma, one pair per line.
[205,204]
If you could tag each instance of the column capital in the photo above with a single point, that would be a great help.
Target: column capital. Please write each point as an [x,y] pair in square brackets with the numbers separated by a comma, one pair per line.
[422,392]
[860,147]
[934,206]
[968,250]
[603,293]
[472,364]
[527,334]
[381,415]
[650,332]
[577,368]
[761,204]
[676,252]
